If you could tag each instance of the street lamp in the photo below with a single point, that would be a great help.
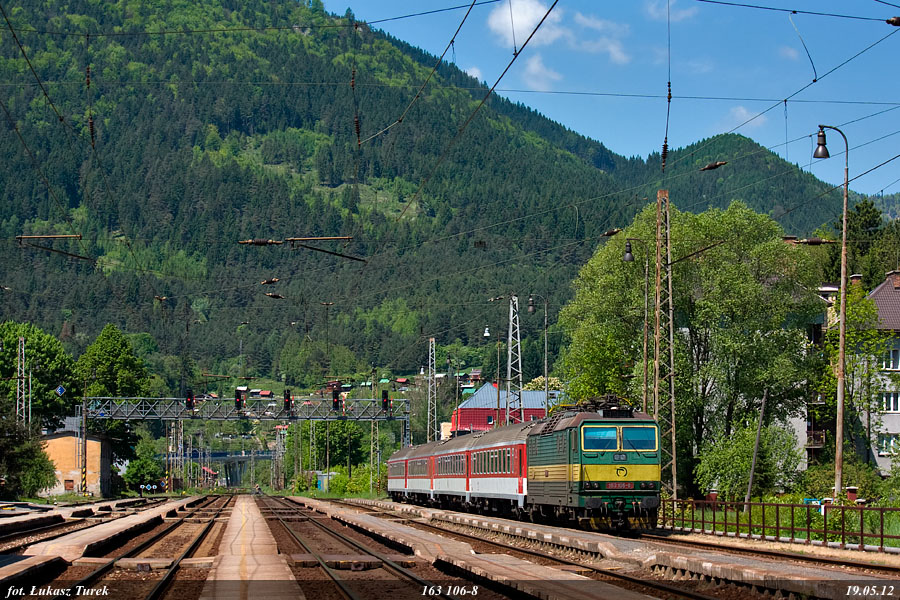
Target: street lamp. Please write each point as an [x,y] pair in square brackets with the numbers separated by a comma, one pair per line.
[546,374]
[822,152]
[629,257]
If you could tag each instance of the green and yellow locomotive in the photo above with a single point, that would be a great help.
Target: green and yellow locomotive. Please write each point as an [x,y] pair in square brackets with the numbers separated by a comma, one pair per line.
[597,464]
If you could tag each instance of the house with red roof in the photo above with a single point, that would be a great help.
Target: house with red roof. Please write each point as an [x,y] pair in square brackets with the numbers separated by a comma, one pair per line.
[887,299]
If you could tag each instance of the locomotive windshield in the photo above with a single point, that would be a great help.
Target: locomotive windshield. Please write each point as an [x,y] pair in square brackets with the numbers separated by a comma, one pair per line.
[600,438]
[639,438]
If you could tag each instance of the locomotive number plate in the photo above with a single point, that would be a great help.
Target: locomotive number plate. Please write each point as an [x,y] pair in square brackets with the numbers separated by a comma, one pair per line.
[620,485]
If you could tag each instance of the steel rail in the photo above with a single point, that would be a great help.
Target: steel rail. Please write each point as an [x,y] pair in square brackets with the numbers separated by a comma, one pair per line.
[15,534]
[93,576]
[344,590]
[166,579]
[29,532]
[656,585]
[392,566]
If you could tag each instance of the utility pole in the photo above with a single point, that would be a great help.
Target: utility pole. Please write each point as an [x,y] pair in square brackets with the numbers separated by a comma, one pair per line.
[327,456]
[371,451]
[664,347]
[432,429]
[327,336]
[759,425]
[20,382]
[83,437]
[298,441]
[513,362]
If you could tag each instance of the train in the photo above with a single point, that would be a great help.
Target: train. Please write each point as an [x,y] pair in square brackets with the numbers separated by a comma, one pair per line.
[595,464]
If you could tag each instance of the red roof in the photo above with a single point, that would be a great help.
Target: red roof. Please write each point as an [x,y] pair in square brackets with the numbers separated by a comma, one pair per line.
[210,471]
[402,380]
[887,298]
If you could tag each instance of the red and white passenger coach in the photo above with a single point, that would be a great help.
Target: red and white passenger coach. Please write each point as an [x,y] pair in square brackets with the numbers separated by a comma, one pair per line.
[486,469]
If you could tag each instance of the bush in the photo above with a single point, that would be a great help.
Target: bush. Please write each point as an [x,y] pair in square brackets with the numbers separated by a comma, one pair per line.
[24,466]
[818,480]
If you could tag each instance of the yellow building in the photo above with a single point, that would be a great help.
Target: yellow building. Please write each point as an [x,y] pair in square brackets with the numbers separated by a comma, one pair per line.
[62,448]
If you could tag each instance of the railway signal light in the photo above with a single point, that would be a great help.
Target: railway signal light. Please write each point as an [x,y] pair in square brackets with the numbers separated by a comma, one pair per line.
[237,399]
[189,400]
[335,400]
[385,401]
[287,400]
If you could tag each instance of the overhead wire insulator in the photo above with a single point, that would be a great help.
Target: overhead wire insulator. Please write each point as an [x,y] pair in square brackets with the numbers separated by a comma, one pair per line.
[260,242]
[91,129]
[353,79]
[665,152]
[356,126]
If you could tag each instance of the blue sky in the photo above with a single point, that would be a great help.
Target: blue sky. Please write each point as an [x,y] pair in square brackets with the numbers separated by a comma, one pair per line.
[747,59]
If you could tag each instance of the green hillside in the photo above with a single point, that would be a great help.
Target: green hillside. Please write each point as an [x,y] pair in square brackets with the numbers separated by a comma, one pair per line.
[204,137]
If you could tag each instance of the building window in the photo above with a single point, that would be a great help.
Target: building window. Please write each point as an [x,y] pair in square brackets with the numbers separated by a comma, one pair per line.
[891,401]
[888,444]
[490,420]
[69,485]
[892,360]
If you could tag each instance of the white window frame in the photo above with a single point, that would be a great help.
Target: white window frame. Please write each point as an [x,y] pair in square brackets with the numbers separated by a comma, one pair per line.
[888,444]
[892,360]
[890,402]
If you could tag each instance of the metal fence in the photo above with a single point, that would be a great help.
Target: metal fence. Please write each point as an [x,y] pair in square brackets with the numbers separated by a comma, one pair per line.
[868,528]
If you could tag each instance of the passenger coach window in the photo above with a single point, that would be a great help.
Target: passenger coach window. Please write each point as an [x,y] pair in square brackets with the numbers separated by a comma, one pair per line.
[638,438]
[599,438]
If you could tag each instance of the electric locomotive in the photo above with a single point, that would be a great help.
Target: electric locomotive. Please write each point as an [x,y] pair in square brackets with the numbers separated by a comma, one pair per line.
[596,464]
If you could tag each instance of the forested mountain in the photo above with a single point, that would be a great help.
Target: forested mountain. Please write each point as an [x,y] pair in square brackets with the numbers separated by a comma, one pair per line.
[240,122]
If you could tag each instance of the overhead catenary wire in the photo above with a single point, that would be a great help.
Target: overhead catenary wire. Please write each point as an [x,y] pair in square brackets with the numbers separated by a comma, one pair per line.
[531,215]
[807,86]
[793,11]
[440,59]
[374,84]
[210,30]
[474,112]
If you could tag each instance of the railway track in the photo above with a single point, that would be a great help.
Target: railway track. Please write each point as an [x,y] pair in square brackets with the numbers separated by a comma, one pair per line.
[598,573]
[209,510]
[865,567]
[51,532]
[404,576]
[786,556]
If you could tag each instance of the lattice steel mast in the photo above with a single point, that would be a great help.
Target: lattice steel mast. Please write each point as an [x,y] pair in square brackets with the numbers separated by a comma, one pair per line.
[21,399]
[513,364]
[432,427]
[664,347]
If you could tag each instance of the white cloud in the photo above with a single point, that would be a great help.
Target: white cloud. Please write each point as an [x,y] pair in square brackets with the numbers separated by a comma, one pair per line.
[526,14]
[699,66]
[740,115]
[788,53]
[656,10]
[476,73]
[612,47]
[602,25]
[538,76]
